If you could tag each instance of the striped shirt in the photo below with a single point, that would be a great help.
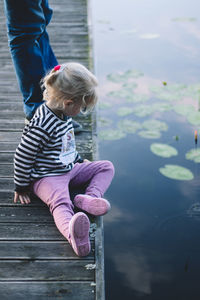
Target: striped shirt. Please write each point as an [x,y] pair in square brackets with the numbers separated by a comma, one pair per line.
[47,148]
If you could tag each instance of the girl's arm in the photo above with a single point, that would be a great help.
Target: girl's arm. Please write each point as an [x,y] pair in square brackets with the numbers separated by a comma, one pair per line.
[25,156]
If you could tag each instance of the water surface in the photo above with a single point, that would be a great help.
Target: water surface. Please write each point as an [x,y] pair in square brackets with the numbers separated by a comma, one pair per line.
[152,233]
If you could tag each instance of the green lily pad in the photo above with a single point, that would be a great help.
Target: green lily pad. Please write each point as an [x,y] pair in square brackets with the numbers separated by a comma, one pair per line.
[128,126]
[116,77]
[142,110]
[137,98]
[163,150]
[176,172]
[161,107]
[155,125]
[121,94]
[169,96]
[104,105]
[184,110]
[111,134]
[193,154]
[171,92]
[124,111]
[193,90]
[194,118]
[184,19]
[130,85]
[133,74]
[149,134]
[124,76]
[104,121]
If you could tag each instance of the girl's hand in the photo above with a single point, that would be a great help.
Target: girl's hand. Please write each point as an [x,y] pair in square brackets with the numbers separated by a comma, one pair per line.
[23,198]
[86,160]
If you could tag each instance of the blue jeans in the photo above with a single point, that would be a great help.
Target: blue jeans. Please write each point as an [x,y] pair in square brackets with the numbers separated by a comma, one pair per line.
[30,48]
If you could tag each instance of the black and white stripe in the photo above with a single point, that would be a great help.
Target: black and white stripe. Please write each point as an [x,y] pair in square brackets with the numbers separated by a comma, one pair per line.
[38,153]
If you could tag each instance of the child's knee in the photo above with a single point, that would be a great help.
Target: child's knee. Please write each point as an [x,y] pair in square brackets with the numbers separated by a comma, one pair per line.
[108,165]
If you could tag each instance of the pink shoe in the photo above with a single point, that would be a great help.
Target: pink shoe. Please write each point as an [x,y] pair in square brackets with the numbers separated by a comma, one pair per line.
[92,205]
[79,227]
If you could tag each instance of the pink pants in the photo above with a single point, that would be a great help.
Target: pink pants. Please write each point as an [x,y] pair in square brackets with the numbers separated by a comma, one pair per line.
[54,190]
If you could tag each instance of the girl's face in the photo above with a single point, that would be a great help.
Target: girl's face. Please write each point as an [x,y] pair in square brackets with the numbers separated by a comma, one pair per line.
[71,109]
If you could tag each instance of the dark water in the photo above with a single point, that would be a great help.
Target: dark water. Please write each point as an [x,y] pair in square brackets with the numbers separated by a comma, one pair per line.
[152,234]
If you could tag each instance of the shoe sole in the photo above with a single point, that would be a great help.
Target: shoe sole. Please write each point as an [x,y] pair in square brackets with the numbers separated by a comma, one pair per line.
[79,234]
[95,207]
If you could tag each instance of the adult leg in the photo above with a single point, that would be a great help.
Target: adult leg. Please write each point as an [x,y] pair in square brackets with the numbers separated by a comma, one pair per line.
[49,58]
[75,228]
[26,22]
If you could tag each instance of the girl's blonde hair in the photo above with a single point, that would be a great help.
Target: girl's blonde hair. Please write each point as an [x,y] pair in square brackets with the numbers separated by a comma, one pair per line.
[71,81]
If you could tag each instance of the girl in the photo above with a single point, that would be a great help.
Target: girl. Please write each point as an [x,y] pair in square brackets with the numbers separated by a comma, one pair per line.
[46,160]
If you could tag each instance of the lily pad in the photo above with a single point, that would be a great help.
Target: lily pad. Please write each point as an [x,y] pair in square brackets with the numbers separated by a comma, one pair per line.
[129,126]
[184,19]
[193,90]
[128,95]
[169,96]
[104,105]
[142,110]
[119,94]
[111,134]
[161,107]
[124,76]
[194,118]
[137,98]
[163,150]
[155,125]
[133,74]
[117,77]
[193,154]
[130,85]
[104,121]
[149,134]
[176,172]
[170,92]
[124,111]
[184,110]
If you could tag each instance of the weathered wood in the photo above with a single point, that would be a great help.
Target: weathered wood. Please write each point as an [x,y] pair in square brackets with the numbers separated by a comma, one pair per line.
[31,232]
[31,269]
[25,214]
[43,290]
[39,250]
[36,261]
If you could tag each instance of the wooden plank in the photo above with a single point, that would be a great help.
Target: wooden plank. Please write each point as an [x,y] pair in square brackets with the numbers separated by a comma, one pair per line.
[36,261]
[25,214]
[31,269]
[6,184]
[43,290]
[40,250]
[99,260]
[30,232]
[23,231]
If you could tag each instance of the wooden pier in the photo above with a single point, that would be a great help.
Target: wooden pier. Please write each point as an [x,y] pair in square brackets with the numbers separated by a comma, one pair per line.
[36,262]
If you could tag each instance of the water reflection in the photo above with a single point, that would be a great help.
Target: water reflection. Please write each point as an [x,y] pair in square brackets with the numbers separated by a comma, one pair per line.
[152,232]
[137,271]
